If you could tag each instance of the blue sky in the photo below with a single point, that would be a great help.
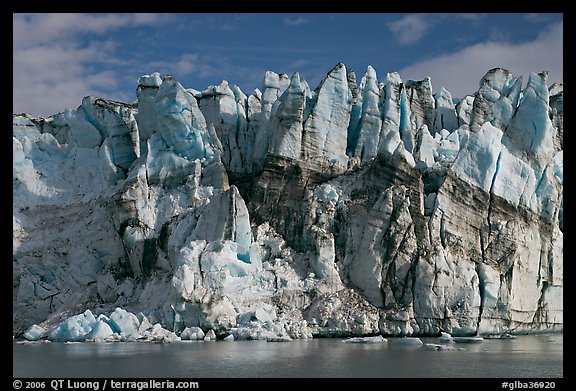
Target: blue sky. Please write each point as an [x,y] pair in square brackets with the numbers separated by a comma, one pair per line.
[60,58]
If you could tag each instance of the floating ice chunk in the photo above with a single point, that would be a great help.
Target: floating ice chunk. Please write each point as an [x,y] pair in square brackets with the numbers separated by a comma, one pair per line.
[210,336]
[192,333]
[34,333]
[468,339]
[126,323]
[370,340]
[437,347]
[445,338]
[408,341]
[101,330]
[254,331]
[158,333]
[500,336]
[74,328]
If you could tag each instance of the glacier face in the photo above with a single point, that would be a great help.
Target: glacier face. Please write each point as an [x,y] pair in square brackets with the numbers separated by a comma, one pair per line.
[347,210]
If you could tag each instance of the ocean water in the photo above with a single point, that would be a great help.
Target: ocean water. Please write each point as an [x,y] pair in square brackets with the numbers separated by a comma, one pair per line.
[534,356]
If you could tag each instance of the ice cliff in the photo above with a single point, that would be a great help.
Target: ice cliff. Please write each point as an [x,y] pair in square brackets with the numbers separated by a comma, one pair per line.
[348,210]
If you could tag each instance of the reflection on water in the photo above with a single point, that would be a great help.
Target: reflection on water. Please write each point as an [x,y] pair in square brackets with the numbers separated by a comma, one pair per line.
[526,356]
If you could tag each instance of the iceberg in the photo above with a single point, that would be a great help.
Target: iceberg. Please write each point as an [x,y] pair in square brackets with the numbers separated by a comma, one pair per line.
[34,333]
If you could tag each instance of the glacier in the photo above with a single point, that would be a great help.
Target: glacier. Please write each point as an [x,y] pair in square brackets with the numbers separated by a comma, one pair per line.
[351,210]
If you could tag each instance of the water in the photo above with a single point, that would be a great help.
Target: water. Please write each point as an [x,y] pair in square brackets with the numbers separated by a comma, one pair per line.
[538,356]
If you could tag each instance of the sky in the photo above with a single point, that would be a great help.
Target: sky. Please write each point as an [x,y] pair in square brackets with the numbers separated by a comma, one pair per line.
[60,58]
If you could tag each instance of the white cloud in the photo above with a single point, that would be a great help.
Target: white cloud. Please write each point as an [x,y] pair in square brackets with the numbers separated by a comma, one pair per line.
[32,29]
[474,17]
[410,29]
[295,21]
[213,67]
[53,67]
[185,64]
[538,17]
[47,79]
[461,71]
[296,65]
